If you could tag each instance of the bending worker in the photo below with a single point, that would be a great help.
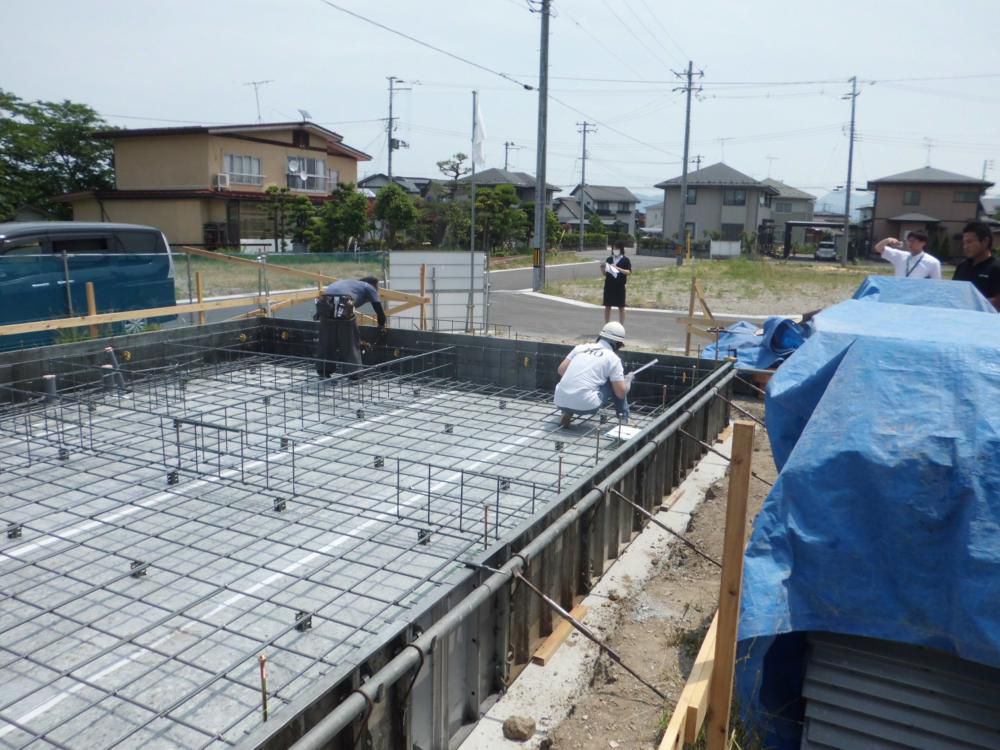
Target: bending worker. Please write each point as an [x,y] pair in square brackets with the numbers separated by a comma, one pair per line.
[339,337]
[592,376]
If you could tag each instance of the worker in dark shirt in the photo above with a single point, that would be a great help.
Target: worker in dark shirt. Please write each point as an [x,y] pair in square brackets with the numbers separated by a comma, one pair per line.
[339,337]
[980,266]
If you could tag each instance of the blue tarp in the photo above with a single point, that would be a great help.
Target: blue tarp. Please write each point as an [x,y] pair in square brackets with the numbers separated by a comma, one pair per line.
[959,295]
[885,519]
[778,338]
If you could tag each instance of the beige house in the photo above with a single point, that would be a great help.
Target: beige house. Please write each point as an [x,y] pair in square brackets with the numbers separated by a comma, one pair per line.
[205,185]
[930,199]
[720,201]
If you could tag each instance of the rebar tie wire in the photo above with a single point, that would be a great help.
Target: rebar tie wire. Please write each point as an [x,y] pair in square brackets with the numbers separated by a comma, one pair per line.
[743,380]
[687,542]
[722,455]
[370,707]
[587,632]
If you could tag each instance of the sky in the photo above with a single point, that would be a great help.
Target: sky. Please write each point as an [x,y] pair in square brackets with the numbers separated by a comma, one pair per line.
[770,100]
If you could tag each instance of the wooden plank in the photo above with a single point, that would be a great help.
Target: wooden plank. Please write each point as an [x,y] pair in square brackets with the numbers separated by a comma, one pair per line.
[721,693]
[559,634]
[152,312]
[689,713]
[724,435]
[687,338]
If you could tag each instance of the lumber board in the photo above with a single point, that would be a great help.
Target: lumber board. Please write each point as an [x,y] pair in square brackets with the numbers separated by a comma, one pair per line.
[561,632]
[692,706]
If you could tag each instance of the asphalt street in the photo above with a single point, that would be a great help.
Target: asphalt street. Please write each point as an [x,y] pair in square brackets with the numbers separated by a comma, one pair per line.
[516,311]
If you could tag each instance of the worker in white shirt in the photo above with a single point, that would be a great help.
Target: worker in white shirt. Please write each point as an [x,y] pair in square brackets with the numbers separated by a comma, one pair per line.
[592,376]
[913,262]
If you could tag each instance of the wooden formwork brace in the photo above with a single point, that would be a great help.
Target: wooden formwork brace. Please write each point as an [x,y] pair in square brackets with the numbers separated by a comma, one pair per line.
[696,325]
[707,696]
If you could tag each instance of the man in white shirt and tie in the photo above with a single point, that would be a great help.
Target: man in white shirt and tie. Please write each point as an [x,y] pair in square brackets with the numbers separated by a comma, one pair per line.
[913,262]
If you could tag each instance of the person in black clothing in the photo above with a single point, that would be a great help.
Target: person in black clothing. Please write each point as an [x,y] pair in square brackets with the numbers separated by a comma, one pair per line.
[339,337]
[980,265]
[616,270]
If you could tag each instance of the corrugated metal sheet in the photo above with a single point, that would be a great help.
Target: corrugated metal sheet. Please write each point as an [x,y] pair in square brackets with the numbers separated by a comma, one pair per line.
[875,695]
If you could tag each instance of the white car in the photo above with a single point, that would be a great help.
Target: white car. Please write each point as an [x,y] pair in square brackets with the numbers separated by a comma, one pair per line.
[826,250]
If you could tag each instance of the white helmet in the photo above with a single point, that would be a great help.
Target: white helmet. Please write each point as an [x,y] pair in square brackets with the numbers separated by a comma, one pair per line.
[613,332]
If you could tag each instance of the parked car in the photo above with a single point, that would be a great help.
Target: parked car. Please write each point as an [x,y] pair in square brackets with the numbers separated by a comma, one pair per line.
[826,250]
[45,267]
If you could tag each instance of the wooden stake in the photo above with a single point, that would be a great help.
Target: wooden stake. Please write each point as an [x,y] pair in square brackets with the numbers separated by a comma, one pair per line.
[721,690]
[200,294]
[95,330]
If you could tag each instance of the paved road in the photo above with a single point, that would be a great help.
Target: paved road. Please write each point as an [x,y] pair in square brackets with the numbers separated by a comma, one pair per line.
[524,314]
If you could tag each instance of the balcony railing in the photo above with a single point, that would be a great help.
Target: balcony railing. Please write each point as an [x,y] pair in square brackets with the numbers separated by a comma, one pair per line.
[310,183]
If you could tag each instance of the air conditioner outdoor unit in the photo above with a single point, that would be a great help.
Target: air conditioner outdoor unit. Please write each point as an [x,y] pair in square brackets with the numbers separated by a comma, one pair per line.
[222,181]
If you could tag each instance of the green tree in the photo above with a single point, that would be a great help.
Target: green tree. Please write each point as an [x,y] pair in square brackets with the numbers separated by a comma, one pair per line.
[278,207]
[301,213]
[595,225]
[395,210]
[554,232]
[343,217]
[454,168]
[48,149]
[500,219]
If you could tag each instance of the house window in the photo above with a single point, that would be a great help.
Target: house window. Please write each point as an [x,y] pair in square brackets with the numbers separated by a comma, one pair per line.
[624,208]
[603,207]
[911,197]
[309,174]
[765,200]
[966,196]
[734,197]
[243,170]
[300,138]
[692,196]
[732,232]
[782,207]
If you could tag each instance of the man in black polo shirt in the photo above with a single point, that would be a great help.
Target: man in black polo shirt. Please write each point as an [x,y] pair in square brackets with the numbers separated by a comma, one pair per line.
[980,266]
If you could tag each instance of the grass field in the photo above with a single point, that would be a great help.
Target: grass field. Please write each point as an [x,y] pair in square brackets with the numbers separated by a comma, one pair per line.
[738,285]
[221,278]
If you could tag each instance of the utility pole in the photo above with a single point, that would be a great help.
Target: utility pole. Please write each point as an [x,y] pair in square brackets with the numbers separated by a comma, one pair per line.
[850,166]
[770,163]
[393,143]
[509,146]
[585,127]
[987,163]
[697,162]
[687,87]
[256,95]
[541,206]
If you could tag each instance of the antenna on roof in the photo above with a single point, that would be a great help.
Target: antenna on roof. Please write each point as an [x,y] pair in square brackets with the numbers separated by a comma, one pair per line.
[256,95]
[305,115]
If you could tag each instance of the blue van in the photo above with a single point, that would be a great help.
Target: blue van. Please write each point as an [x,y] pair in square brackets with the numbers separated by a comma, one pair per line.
[45,267]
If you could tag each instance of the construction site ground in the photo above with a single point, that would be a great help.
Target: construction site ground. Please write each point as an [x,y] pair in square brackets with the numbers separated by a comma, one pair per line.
[653,607]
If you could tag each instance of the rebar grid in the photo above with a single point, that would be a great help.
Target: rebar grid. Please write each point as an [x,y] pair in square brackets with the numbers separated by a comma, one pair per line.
[287,503]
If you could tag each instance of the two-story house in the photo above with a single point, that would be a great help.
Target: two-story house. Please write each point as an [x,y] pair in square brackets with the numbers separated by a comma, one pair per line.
[523,183]
[413,186]
[719,200]
[789,204]
[206,185]
[614,205]
[933,200]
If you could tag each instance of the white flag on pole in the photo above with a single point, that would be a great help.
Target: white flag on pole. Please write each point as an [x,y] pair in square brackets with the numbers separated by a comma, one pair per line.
[478,139]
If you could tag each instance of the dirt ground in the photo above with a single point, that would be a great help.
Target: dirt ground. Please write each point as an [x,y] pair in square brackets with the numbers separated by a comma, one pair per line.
[660,629]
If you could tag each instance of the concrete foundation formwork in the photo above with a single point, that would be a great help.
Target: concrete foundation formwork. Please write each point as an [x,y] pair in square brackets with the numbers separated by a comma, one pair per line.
[207,545]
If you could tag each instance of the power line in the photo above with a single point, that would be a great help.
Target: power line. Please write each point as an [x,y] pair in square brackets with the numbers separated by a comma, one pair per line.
[596,38]
[634,35]
[452,55]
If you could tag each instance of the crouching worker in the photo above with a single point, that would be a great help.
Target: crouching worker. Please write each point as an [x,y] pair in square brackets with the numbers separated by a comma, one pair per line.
[339,337]
[592,376]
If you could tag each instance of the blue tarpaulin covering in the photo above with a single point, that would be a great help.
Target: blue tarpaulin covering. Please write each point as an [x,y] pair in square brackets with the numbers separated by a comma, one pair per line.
[758,348]
[960,295]
[885,519]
